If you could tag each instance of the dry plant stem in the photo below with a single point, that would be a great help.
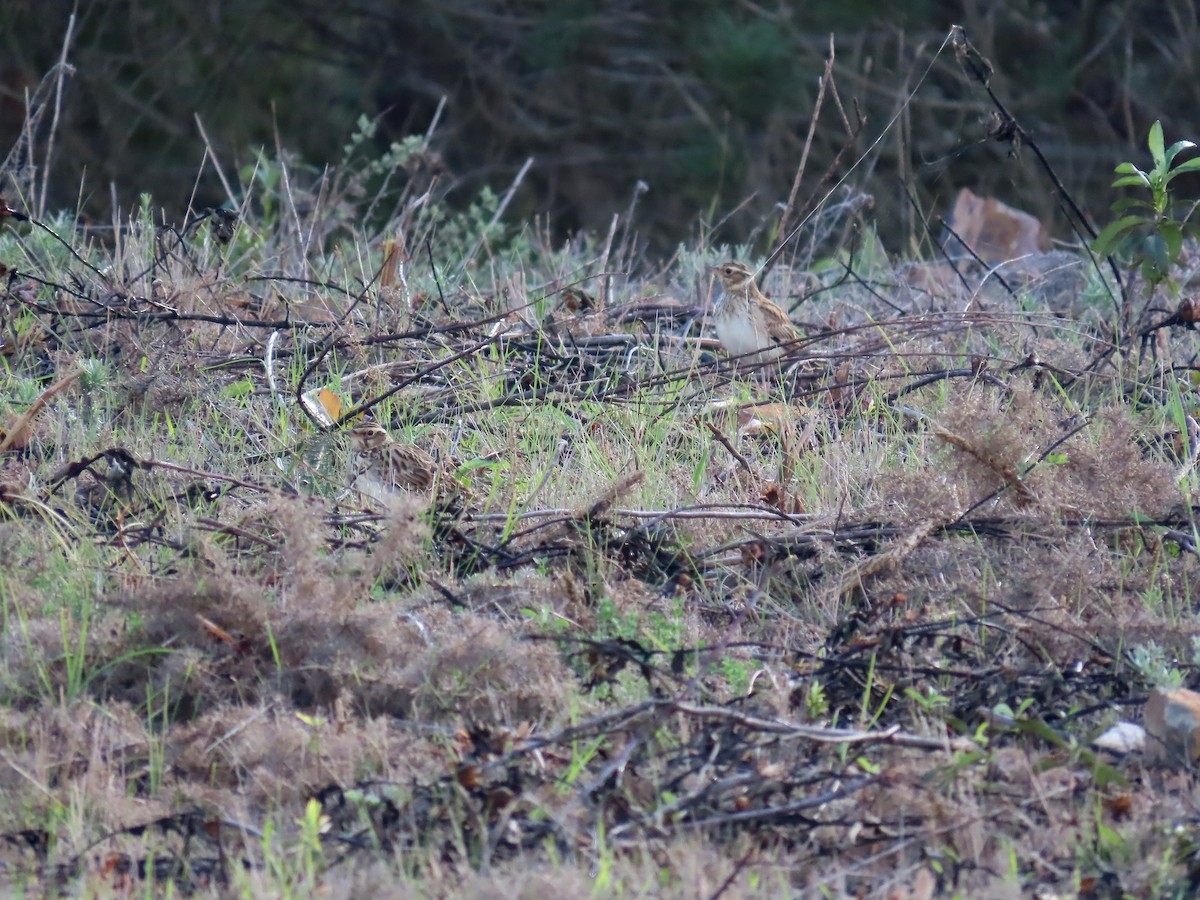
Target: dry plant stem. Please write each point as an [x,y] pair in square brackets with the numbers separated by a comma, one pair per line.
[738,868]
[125,314]
[503,205]
[625,720]
[790,208]
[851,130]
[611,494]
[259,713]
[993,271]
[7,759]
[23,420]
[629,236]
[405,220]
[733,512]
[289,197]
[235,531]
[1185,540]
[904,144]
[215,476]
[833,167]
[563,442]
[725,442]
[940,245]
[19,162]
[229,192]
[330,345]
[733,212]
[70,249]
[979,70]
[1008,475]
[589,513]
[773,812]
[420,374]
[58,92]
[189,216]
[1041,457]
[1082,636]
[925,836]
[606,284]
[855,577]
[786,239]
[963,50]
[789,458]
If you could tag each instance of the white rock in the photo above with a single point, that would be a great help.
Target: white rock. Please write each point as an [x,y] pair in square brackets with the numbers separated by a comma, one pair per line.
[1124,737]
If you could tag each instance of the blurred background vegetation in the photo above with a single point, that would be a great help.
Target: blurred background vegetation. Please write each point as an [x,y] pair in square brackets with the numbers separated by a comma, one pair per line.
[708,102]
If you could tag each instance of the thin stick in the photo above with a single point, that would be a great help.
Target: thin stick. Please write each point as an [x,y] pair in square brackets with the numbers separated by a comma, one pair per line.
[558,452]
[433,124]
[217,165]
[608,242]
[58,90]
[821,734]
[866,153]
[812,127]
[23,420]
[724,441]
[508,195]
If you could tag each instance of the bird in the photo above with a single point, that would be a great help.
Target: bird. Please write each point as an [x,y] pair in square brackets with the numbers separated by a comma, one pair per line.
[746,321]
[382,467]
[112,494]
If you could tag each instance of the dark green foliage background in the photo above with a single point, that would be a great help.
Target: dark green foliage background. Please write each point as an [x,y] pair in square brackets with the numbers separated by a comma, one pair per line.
[707,101]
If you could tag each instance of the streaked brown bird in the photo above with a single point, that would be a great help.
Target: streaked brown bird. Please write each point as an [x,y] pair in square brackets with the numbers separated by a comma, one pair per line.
[381,467]
[746,321]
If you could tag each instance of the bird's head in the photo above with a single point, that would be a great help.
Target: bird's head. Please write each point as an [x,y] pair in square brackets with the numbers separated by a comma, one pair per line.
[735,276]
[368,435]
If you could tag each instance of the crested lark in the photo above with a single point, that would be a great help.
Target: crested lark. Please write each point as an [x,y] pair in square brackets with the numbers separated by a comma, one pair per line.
[746,321]
[381,467]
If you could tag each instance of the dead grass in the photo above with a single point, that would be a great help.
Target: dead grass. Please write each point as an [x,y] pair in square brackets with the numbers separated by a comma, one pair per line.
[570,681]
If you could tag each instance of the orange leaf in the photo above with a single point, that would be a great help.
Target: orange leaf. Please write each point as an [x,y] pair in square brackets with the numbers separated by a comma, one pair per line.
[332,403]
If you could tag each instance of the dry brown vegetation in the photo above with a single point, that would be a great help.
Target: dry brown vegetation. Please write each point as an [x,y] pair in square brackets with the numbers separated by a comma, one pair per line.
[663,639]
[772,662]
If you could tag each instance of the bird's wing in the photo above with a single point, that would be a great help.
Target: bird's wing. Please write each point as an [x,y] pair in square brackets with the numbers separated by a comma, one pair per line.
[412,467]
[779,326]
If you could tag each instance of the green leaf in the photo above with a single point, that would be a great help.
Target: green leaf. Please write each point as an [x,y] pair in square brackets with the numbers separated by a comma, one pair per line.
[1172,235]
[1039,729]
[1174,149]
[1154,266]
[1190,165]
[1131,203]
[238,389]
[1155,143]
[1107,836]
[1126,168]
[1155,247]
[1105,775]
[1141,179]
[1114,232]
